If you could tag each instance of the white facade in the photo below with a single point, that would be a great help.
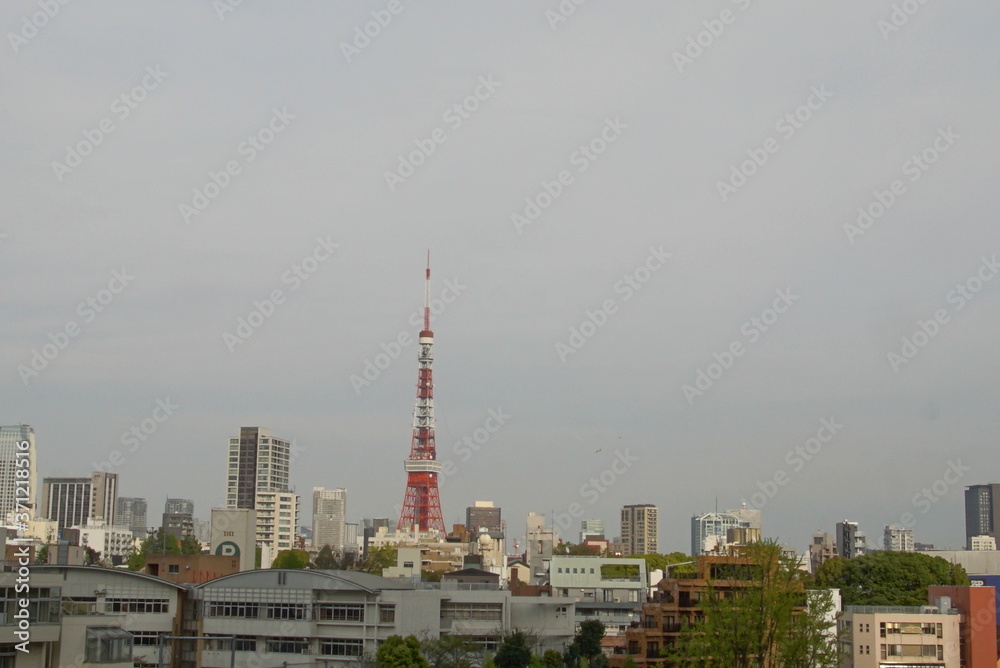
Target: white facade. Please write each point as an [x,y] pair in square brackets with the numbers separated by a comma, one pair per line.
[979,543]
[329,518]
[11,477]
[898,538]
[277,520]
[109,540]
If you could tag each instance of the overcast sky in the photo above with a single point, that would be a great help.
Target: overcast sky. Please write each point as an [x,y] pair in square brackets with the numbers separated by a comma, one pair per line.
[693,165]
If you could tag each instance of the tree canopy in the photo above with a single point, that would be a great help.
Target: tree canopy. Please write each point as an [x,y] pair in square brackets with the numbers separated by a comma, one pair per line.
[326,558]
[888,578]
[764,623]
[448,651]
[588,639]
[399,652]
[378,558]
[513,652]
[656,561]
[291,559]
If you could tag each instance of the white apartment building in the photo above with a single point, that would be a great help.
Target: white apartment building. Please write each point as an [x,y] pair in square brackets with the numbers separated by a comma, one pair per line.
[329,518]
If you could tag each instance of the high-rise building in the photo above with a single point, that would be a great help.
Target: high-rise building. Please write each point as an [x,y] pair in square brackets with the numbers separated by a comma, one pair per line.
[591,529]
[74,501]
[982,510]
[179,525]
[329,517]
[822,548]
[708,531]
[850,542]
[422,501]
[17,455]
[640,529]
[539,546]
[179,506]
[482,514]
[258,479]
[132,514]
[897,538]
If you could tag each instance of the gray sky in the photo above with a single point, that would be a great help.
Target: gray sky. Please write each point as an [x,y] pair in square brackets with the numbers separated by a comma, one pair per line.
[628,136]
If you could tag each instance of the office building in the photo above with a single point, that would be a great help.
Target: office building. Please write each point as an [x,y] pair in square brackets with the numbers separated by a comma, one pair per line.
[179,525]
[982,509]
[329,518]
[640,529]
[591,529]
[258,479]
[14,489]
[132,514]
[876,636]
[897,538]
[708,532]
[822,548]
[482,515]
[75,501]
[850,542]
[982,543]
[179,506]
[539,545]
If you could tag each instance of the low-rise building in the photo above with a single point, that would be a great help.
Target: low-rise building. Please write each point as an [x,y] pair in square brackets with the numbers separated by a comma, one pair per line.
[605,588]
[876,636]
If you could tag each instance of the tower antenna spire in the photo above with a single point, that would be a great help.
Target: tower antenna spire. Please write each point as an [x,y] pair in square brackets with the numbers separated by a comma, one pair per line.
[427,294]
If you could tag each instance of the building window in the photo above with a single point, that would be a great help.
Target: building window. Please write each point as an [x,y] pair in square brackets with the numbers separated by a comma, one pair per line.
[245,643]
[146,638]
[285,611]
[44,604]
[173,568]
[341,612]
[137,605]
[476,611]
[339,647]
[286,645]
[233,609]
[108,644]
[387,614]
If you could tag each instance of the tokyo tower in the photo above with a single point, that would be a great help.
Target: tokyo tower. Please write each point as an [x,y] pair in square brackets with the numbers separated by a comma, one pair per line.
[422,504]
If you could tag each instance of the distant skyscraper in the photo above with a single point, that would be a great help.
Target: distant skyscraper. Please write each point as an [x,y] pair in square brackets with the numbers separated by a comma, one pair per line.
[822,548]
[982,510]
[258,479]
[132,514]
[591,529]
[329,517]
[640,529]
[708,531]
[850,542]
[10,438]
[72,501]
[482,514]
[897,538]
[179,506]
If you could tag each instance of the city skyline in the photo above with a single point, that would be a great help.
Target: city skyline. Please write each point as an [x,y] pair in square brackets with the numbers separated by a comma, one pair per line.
[661,244]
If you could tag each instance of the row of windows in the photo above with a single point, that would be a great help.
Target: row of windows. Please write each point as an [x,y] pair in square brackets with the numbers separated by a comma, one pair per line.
[582,570]
[324,612]
[137,605]
[327,646]
[477,611]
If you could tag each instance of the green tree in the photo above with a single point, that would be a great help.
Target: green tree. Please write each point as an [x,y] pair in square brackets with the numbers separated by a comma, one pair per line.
[399,652]
[42,556]
[763,622]
[91,557]
[326,558]
[889,578]
[552,659]
[190,545]
[570,548]
[449,651]
[598,661]
[513,652]
[588,638]
[378,558]
[629,663]
[291,559]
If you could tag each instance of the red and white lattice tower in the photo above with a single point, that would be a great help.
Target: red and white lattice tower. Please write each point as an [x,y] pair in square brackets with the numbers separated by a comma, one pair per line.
[422,504]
